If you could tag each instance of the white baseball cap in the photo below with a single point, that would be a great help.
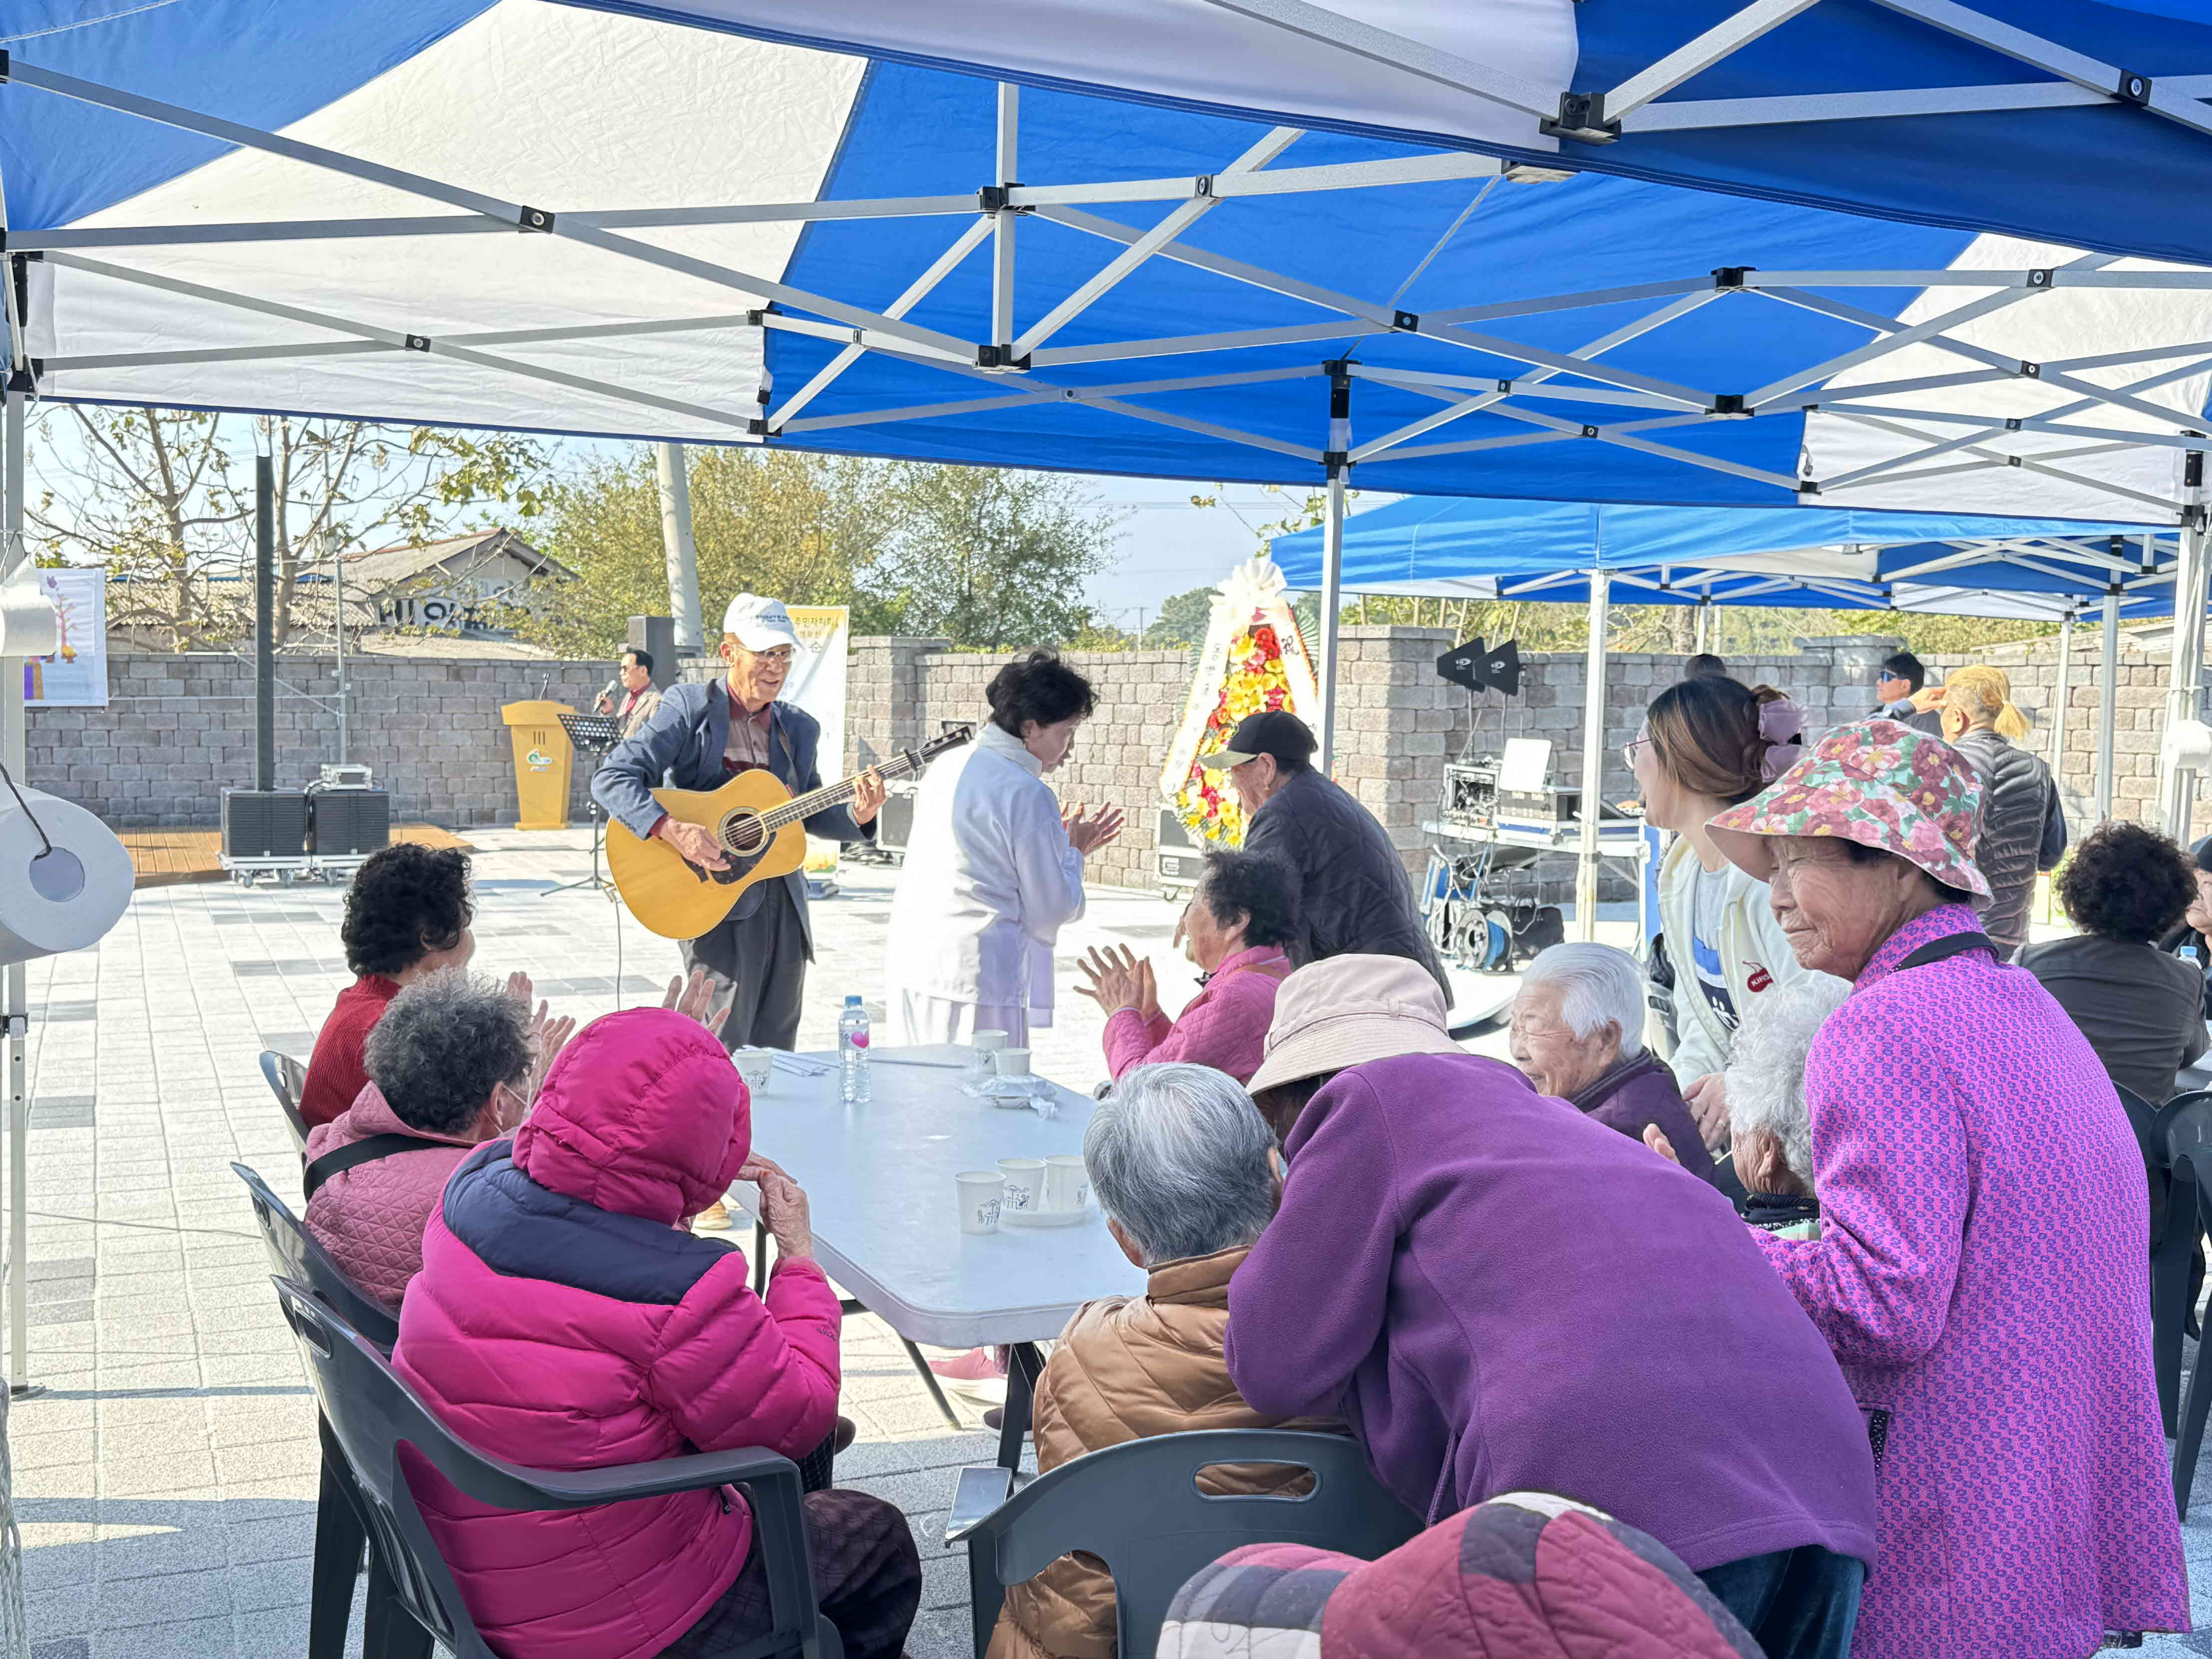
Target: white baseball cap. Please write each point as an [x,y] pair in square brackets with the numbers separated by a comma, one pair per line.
[759,624]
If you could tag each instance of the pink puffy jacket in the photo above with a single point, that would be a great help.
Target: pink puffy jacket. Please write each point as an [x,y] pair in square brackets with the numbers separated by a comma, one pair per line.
[563,1319]
[371,1217]
[1225,1026]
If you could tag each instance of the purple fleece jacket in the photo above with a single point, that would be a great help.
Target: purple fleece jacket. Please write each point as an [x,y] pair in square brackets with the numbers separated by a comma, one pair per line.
[1501,1294]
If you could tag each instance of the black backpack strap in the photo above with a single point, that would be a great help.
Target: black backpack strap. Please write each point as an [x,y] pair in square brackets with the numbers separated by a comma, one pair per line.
[365,1151]
[1951,944]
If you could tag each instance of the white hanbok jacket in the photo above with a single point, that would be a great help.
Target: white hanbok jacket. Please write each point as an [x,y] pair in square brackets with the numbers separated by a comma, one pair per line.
[990,880]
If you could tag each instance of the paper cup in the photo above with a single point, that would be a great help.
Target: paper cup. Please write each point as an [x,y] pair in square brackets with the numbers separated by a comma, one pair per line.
[755,1066]
[984,1049]
[1013,1062]
[981,1192]
[1025,1179]
[1066,1183]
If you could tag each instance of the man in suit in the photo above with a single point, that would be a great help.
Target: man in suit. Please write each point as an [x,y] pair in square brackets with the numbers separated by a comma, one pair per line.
[700,736]
[638,699]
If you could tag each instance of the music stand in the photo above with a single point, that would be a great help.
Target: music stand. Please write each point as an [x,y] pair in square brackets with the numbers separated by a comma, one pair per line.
[593,734]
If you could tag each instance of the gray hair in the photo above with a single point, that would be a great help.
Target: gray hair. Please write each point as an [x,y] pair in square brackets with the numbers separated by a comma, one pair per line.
[1598,986]
[443,1045]
[1178,1154]
[1766,1070]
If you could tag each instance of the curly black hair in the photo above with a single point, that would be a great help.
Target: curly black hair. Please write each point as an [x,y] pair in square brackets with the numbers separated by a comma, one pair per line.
[1039,687]
[2127,881]
[1261,891]
[406,902]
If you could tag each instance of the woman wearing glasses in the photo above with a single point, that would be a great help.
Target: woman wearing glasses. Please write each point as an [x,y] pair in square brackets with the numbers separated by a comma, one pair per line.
[1705,745]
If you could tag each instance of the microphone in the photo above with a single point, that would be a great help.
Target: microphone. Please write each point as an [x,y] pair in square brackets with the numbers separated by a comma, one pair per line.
[607,695]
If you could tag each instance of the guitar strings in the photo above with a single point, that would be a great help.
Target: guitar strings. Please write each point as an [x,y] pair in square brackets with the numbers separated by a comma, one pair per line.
[802,807]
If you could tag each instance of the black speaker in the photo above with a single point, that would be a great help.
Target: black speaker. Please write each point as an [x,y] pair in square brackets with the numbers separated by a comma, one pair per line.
[264,824]
[894,821]
[346,823]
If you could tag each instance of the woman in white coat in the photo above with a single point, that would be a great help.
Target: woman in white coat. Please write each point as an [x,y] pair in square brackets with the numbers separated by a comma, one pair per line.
[995,867]
[1706,745]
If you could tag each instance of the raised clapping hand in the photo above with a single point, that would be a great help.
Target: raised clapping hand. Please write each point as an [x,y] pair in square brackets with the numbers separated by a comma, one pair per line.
[1119,979]
[696,998]
[1086,835]
[783,1209]
[548,1038]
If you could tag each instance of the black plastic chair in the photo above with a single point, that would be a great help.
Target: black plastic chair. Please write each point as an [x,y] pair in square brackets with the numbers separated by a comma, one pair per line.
[373,1414]
[1138,1508]
[2177,1225]
[286,1077]
[341,1517]
[2187,1125]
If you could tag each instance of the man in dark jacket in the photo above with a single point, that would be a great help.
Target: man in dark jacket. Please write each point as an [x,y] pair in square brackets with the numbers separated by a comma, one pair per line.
[1355,895]
[700,737]
[2023,830]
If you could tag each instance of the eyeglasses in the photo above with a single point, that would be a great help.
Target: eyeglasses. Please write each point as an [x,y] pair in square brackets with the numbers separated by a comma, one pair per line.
[1628,751]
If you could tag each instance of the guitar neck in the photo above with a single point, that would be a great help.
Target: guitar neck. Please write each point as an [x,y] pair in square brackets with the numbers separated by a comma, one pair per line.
[799,808]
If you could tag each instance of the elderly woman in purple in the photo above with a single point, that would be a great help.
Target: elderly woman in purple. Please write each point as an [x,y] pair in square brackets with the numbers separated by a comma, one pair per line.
[1979,1269]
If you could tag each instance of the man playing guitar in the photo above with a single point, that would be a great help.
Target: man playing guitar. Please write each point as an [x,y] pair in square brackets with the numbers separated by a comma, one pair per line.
[701,736]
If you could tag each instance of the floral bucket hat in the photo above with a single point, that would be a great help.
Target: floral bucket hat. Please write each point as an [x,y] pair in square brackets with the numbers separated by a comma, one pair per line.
[1879,783]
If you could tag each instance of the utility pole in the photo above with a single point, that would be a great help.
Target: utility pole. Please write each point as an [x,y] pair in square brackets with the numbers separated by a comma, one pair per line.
[676,546]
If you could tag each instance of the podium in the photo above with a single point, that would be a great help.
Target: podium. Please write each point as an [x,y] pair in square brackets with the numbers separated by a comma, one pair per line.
[544,759]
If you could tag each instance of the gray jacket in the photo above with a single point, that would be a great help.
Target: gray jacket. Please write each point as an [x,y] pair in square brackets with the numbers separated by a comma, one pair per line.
[2023,832]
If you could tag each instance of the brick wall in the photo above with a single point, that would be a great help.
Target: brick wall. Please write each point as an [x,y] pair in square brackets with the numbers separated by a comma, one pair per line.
[179,730]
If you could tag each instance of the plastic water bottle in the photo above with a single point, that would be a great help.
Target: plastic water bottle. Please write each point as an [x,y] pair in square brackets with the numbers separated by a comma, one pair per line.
[852,1051]
[2188,954]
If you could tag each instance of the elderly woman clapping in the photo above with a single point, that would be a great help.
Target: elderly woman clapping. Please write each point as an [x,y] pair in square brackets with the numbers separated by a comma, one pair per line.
[1979,1269]
[1578,1035]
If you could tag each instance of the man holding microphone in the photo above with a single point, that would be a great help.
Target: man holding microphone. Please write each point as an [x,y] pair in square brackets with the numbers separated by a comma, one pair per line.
[638,700]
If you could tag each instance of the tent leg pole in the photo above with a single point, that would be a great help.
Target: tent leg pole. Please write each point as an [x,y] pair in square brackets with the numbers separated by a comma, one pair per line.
[1704,617]
[16,1002]
[2176,785]
[1586,863]
[1332,601]
[2108,701]
[680,551]
[2063,695]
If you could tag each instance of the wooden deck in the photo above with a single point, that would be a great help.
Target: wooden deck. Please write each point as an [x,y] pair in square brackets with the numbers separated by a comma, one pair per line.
[164,857]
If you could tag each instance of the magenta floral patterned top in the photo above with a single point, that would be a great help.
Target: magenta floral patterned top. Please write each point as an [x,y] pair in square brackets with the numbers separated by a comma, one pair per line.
[1982,1274]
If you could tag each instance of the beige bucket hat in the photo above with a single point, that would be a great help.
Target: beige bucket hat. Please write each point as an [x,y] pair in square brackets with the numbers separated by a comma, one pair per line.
[1346,1011]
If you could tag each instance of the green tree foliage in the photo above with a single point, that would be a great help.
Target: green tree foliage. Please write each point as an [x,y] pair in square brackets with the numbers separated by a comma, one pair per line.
[1181,621]
[988,559]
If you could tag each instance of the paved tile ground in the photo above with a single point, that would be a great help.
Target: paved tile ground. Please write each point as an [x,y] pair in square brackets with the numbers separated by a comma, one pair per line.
[165,1479]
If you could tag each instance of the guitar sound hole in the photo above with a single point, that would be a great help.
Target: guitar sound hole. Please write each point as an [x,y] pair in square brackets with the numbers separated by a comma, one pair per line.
[745,834]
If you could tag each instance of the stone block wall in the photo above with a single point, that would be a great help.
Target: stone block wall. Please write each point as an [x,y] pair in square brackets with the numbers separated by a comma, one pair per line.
[179,730]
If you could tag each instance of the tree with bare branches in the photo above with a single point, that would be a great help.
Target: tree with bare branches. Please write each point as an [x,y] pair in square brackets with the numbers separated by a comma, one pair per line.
[163,500]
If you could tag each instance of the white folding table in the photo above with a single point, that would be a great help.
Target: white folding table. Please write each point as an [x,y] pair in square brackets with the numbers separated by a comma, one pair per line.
[879,1186]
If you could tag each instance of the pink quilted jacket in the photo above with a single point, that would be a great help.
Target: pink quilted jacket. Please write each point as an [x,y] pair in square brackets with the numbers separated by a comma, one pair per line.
[564,1318]
[1225,1026]
[370,1218]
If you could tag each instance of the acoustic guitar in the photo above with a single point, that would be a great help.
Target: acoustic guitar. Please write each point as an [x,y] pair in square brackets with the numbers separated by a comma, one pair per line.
[762,827]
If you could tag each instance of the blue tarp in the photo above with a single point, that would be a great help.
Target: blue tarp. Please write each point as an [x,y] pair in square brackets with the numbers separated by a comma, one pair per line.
[1805,558]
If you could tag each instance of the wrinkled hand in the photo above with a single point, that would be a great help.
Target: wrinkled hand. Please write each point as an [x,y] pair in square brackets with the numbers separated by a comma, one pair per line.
[1655,1139]
[1148,993]
[1085,833]
[868,792]
[696,998]
[783,1208]
[696,842]
[548,1038]
[1761,1167]
[1708,1102]
[519,988]
[1115,978]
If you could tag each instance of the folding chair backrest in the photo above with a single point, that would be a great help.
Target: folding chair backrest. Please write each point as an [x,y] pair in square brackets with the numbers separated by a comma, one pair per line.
[287,1078]
[296,1256]
[2185,1125]
[1137,1507]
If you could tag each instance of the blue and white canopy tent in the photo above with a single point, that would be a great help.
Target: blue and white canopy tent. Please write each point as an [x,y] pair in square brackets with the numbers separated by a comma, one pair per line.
[2058,120]
[1809,557]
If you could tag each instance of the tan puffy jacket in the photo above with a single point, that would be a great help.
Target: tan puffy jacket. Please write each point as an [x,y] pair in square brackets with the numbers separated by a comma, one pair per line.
[1128,1368]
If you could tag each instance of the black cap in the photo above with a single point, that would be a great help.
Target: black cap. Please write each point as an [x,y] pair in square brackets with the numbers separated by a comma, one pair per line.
[1276,732]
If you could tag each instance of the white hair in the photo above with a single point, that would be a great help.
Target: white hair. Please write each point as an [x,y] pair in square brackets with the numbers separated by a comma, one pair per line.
[1179,1156]
[1766,1072]
[1598,986]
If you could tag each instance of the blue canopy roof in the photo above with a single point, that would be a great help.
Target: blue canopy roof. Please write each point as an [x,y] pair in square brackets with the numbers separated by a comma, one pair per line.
[749,241]
[1804,558]
[2063,120]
